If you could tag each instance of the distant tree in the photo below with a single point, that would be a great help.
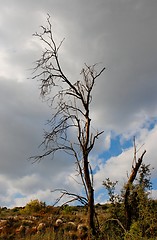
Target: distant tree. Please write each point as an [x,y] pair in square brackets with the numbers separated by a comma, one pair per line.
[129,190]
[70,103]
[110,187]
[141,215]
[134,193]
[132,214]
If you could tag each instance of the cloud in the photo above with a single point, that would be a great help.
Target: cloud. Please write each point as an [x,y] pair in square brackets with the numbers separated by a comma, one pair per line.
[122,36]
[107,142]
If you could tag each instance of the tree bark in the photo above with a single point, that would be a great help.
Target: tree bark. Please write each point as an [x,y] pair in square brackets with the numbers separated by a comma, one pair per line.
[91,208]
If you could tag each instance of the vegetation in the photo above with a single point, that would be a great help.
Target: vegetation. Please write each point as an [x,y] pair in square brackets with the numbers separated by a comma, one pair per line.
[16,224]
[38,221]
[33,207]
[133,210]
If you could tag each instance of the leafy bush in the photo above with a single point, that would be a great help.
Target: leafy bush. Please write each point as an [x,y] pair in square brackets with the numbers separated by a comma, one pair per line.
[34,206]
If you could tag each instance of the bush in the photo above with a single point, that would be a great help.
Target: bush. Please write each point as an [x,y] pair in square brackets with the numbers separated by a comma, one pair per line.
[34,206]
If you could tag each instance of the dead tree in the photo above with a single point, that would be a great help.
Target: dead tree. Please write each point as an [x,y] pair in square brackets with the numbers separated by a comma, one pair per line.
[70,104]
[135,168]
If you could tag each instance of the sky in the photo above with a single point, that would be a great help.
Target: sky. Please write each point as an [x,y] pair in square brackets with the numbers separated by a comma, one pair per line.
[121,35]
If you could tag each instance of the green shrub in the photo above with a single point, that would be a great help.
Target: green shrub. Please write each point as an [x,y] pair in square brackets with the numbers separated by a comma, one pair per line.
[34,206]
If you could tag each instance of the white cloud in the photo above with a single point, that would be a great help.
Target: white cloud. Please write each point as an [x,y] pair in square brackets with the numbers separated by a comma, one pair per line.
[120,34]
[107,141]
[154,194]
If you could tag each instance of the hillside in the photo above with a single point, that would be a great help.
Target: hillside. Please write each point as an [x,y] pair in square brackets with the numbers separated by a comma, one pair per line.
[38,221]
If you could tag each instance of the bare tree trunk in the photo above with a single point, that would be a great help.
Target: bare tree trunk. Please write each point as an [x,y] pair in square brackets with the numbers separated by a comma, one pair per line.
[128,210]
[91,207]
[91,211]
